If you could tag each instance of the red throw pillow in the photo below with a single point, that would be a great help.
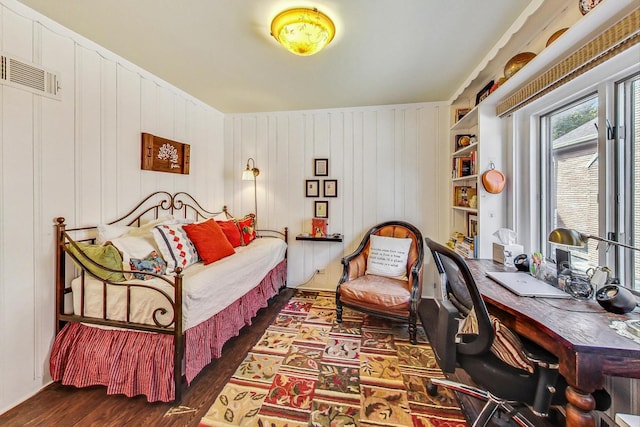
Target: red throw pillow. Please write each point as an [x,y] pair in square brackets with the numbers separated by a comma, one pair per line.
[247,228]
[209,240]
[231,230]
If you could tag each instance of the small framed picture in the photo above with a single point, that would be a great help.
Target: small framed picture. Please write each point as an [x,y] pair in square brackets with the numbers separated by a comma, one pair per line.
[321,167]
[321,209]
[461,112]
[484,92]
[312,188]
[472,224]
[330,188]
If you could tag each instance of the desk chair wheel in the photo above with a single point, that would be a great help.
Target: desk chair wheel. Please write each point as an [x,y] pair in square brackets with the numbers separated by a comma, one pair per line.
[432,389]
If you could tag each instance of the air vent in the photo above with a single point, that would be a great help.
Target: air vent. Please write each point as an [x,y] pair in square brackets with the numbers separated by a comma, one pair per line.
[24,75]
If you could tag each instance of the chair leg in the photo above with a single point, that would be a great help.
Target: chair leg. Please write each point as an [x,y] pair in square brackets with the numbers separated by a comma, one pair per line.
[488,411]
[338,309]
[492,404]
[413,332]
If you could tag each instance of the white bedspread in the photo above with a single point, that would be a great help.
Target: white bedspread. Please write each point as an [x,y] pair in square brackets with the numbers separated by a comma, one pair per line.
[206,289]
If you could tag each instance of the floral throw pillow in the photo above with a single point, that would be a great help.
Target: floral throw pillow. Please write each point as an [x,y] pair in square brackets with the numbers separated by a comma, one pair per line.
[247,228]
[152,263]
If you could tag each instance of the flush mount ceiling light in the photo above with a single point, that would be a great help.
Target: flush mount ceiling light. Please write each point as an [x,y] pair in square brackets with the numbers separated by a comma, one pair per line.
[303,31]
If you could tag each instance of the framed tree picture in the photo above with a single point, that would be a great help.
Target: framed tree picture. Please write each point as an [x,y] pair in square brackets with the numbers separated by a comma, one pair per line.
[321,167]
[164,155]
[312,188]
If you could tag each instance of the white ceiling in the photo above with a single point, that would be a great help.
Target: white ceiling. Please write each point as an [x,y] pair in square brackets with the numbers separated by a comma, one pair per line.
[221,52]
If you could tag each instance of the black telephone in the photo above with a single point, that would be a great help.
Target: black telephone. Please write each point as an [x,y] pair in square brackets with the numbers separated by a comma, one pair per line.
[521,262]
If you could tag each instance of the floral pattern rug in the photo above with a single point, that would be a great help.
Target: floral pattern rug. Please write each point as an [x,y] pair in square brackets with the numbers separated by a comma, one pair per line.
[308,370]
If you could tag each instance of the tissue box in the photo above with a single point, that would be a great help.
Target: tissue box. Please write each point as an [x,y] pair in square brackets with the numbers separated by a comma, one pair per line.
[504,254]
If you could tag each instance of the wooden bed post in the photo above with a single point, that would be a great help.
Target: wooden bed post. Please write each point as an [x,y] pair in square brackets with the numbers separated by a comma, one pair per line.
[60,271]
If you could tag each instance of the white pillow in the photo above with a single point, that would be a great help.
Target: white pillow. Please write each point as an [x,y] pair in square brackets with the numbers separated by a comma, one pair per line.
[388,256]
[107,232]
[147,226]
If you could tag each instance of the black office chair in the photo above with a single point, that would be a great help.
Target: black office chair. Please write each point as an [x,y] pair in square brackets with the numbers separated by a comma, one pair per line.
[504,387]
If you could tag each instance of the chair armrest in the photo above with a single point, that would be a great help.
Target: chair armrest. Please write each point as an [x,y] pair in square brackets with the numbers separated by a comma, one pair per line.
[354,266]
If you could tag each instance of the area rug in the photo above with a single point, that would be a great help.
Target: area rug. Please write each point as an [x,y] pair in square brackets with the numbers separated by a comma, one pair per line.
[308,370]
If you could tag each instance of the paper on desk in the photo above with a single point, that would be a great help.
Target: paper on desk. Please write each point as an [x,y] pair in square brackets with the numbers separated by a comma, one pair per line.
[621,329]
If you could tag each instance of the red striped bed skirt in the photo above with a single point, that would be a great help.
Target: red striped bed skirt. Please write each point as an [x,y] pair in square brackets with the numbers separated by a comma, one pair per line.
[134,363]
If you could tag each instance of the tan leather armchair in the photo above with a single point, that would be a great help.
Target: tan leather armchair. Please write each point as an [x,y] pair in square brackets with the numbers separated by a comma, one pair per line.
[378,295]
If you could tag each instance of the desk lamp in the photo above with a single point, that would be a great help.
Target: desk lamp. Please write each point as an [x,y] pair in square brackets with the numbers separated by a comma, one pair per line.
[613,298]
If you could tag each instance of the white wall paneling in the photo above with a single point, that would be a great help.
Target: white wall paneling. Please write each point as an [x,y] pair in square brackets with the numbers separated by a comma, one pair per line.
[77,157]
[18,264]
[385,160]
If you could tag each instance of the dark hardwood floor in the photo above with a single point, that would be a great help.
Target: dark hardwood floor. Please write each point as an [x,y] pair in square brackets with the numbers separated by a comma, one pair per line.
[66,406]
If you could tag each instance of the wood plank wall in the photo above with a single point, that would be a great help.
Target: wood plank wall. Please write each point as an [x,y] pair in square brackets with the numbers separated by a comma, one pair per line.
[387,161]
[78,157]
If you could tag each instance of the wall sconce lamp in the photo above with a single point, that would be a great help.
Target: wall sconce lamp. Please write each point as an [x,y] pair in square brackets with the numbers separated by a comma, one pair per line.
[613,298]
[250,174]
[570,237]
[303,31]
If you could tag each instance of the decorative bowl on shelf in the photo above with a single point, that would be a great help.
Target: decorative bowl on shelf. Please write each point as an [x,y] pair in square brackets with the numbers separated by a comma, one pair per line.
[586,5]
[555,35]
[517,62]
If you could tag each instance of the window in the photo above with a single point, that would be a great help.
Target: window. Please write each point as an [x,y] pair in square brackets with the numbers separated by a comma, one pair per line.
[628,150]
[570,142]
[590,178]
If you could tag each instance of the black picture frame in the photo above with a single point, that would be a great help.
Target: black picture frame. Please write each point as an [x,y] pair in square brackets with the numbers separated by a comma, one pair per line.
[330,188]
[321,209]
[321,167]
[484,92]
[312,188]
[461,112]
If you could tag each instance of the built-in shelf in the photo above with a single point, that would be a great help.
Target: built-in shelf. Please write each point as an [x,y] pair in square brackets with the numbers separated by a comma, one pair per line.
[467,121]
[469,148]
[329,238]
[462,208]
[465,178]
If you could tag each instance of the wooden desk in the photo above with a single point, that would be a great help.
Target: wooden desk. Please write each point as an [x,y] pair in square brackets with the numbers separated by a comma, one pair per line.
[577,332]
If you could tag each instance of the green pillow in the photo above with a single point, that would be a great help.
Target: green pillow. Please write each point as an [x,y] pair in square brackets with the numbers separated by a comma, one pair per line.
[107,256]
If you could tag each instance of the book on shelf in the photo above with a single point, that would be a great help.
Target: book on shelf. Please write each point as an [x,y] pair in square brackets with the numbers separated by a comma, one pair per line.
[319,227]
[466,247]
[464,165]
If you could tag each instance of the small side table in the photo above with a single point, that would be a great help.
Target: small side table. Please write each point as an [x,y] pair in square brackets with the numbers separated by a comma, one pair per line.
[329,238]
